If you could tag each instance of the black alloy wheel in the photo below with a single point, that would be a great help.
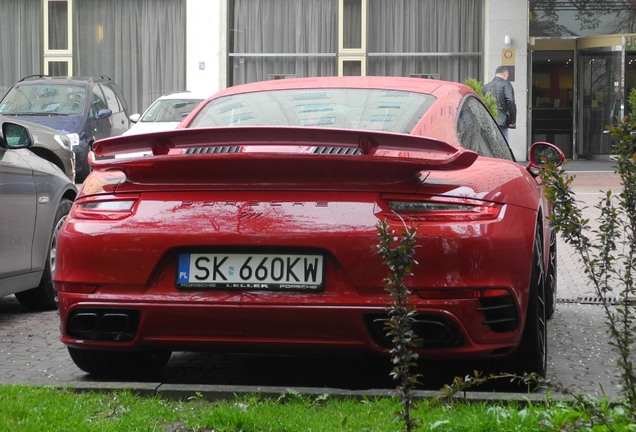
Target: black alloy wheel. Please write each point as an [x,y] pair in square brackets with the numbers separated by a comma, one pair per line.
[551,278]
[44,296]
[532,355]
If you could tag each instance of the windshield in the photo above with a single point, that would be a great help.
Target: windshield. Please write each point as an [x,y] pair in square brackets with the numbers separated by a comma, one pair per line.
[43,99]
[170,110]
[382,110]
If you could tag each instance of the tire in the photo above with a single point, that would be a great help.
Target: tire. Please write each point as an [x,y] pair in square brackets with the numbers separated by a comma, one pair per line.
[44,296]
[551,279]
[532,355]
[126,364]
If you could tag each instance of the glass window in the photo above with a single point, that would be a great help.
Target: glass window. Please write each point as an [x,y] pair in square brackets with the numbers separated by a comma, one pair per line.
[130,41]
[52,98]
[576,18]
[112,102]
[58,23]
[57,67]
[282,37]
[21,39]
[427,28]
[352,68]
[99,101]
[477,131]
[390,111]
[352,24]
[395,38]
[169,110]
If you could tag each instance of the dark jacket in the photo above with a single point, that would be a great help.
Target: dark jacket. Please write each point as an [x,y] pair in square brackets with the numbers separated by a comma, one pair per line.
[504,94]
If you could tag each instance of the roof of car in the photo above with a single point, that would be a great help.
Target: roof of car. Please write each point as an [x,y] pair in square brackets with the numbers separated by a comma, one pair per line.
[83,79]
[184,95]
[419,85]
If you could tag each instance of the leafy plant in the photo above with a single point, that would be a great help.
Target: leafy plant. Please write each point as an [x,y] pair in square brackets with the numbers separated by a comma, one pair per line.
[398,254]
[631,100]
[487,99]
[608,252]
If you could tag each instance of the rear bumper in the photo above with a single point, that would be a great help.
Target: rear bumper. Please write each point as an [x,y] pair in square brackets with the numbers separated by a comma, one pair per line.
[180,326]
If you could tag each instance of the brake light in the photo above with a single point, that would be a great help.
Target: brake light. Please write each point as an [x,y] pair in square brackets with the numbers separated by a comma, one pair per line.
[442,210]
[104,207]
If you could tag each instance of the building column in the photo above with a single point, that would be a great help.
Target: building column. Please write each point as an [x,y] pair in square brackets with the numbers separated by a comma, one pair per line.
[206,45]
[509,18]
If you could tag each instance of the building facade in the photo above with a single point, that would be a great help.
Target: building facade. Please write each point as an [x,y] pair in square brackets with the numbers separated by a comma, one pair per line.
[573,63]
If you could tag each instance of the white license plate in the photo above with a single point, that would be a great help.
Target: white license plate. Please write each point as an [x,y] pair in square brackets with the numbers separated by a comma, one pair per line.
[251,271]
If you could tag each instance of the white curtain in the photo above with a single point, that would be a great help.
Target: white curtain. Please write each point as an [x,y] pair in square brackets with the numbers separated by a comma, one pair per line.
[20,40]
[449,31]
[282,27]
[139,44]
[452,28]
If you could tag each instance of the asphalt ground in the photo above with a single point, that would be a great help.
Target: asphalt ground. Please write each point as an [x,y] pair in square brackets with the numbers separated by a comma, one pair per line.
[580,356]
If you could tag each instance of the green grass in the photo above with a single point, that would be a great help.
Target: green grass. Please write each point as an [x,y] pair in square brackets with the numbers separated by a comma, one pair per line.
[24,409]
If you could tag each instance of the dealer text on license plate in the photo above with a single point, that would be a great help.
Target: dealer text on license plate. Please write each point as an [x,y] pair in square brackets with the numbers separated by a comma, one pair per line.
[250,271]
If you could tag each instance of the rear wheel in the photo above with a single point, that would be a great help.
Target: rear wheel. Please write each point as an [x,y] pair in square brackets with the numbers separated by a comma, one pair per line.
[532,355]
[120,363]
[44,296]
[551,279]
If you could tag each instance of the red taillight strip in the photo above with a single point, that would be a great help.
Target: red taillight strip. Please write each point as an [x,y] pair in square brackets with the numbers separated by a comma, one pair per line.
[104,207]
[441,210]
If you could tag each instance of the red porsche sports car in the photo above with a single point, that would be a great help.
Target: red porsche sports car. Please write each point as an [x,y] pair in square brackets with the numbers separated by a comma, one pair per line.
[254,227]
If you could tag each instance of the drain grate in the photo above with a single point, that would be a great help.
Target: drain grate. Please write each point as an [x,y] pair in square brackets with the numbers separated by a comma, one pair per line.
[596,300]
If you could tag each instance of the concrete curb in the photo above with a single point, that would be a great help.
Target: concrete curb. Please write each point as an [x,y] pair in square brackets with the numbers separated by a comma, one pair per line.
[183,392]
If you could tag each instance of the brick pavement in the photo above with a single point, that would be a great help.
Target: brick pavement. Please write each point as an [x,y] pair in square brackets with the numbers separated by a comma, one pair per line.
[579,355]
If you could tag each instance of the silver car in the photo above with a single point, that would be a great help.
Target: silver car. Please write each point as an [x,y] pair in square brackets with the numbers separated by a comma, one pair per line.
[49,144]
[35,198]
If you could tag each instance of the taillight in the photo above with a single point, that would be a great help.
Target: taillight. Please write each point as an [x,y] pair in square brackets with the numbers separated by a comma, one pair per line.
[442,210]
[107,207]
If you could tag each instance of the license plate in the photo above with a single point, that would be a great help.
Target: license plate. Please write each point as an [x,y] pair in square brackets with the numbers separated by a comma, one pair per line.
[251,271]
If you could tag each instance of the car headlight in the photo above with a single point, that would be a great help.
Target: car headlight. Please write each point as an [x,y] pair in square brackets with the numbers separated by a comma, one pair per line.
[74,138]
[64,141]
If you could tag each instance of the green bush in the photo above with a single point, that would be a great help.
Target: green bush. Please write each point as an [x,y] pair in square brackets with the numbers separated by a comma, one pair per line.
[608,253]
[487,98]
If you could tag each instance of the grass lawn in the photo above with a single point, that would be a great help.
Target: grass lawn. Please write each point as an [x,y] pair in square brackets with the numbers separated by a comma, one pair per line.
[24,408]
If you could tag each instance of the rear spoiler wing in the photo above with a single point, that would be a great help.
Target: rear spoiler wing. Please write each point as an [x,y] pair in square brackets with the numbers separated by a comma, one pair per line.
[278,154]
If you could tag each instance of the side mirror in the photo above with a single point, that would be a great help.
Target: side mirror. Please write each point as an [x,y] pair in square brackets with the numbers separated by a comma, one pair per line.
[543,152]
[104,113]
[15,136]
[134,118]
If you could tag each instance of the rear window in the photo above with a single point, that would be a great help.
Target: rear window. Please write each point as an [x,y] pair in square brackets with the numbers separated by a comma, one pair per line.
[382,110]
[169,110]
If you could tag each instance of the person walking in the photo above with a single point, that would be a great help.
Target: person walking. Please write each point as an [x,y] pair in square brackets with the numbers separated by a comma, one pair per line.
[501,89]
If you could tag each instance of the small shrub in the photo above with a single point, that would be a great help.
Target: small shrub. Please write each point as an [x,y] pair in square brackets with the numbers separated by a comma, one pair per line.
[487,99]
[398,254]
[608,253]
